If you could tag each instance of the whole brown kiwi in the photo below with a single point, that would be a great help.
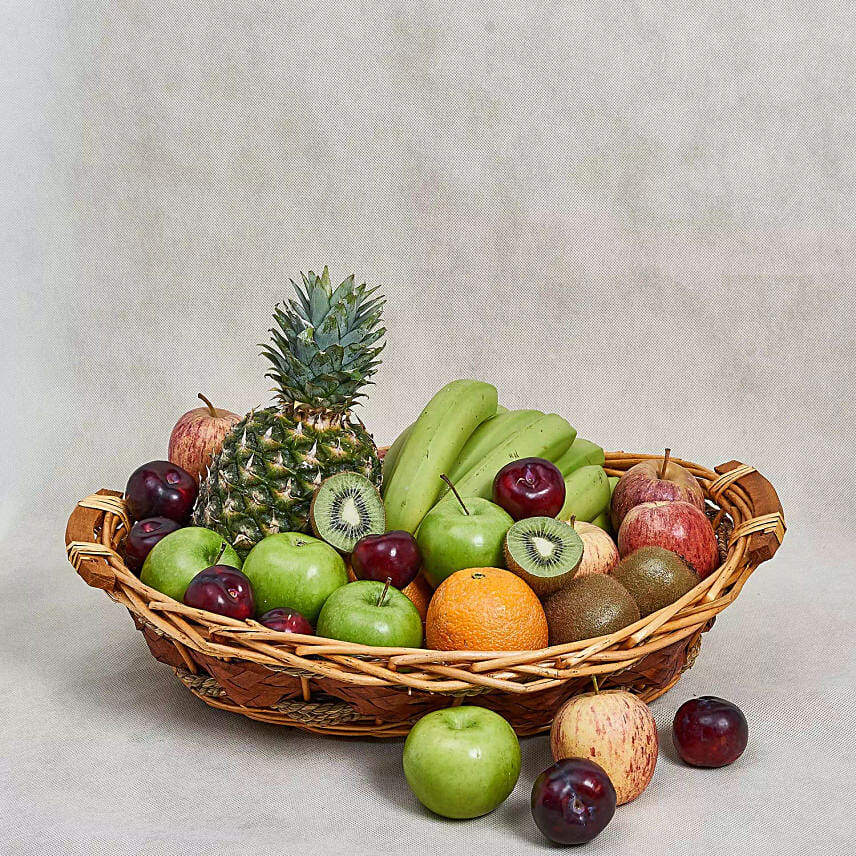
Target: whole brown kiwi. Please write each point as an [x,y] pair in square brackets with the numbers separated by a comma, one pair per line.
[589,606]
[655,577]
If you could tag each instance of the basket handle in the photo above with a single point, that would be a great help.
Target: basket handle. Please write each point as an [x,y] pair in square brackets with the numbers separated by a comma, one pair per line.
[766,528]
[82,529]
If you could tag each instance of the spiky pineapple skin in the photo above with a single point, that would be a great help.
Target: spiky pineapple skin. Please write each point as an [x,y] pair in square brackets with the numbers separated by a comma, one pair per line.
[263,479]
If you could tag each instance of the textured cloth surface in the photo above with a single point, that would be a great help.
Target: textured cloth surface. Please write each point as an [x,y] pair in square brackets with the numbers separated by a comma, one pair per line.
[639,215]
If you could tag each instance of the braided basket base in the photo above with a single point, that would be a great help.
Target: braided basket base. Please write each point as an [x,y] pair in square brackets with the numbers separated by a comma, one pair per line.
[338,688]
[337,718]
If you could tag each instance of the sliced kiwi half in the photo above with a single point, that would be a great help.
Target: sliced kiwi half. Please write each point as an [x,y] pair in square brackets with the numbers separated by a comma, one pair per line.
[544,551]
[345,508]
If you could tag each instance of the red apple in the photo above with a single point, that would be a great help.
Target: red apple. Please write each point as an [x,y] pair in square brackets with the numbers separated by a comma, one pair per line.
[676,526]
[530,487]
[198,436]
[600,555]
[394,556]
[654,481]
[614,729]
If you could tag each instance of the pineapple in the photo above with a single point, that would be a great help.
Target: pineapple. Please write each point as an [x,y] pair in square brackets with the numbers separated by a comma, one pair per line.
[324,349]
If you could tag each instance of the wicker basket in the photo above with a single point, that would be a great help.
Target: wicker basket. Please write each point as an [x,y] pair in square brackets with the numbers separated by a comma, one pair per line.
[340,688]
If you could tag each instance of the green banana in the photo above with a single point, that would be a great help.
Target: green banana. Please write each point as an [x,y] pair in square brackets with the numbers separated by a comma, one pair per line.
[586,493]
[488,436]
[547,437]
[602,521]
[390,459]
[432,447]
[582,452]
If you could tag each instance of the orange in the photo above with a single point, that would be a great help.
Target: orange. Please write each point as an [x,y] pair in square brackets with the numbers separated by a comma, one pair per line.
[485,609]
[419,593]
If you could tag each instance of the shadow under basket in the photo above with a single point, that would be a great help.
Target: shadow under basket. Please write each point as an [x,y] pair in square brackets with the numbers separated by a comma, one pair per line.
[340,688]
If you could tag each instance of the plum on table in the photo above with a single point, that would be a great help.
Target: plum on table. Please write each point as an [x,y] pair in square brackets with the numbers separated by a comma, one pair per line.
[572,801]
[710,732]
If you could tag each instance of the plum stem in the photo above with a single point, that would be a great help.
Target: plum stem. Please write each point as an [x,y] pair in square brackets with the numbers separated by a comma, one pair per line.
[666,457]
[382,597]
[211,409]
[454,491]
[223,546]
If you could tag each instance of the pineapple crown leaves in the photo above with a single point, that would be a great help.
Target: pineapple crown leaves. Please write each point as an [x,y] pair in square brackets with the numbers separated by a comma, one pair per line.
[326,343]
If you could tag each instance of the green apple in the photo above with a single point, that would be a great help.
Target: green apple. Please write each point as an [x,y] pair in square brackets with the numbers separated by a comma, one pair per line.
[453,536]
[294,571]
[176,559]
[355,613]
[462,761]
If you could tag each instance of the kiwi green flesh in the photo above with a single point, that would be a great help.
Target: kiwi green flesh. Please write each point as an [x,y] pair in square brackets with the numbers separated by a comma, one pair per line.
[544,552]
[655,577]
[346,507]
[589,606]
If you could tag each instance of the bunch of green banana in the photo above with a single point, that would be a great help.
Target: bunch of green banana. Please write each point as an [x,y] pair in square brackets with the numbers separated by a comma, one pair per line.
[536,435]
[603,519]
[587,495]
[430,448]
[580,453]
[488,436]
[464,434]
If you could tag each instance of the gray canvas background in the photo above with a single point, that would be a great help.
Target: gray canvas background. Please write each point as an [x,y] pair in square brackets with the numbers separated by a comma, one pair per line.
[638,215]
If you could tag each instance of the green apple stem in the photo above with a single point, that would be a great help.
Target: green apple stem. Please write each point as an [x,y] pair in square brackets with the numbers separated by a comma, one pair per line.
[211,409]
[454,491]
[382,597]
[223,546]
[665,463]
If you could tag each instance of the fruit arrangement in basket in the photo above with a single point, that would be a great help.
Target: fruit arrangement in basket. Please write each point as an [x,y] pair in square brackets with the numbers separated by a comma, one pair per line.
[480,529]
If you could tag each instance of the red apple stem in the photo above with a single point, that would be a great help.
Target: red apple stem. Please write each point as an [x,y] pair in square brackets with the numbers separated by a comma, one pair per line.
[211,409]
[454,491]
[223,546]
[382,597]
[665,463]
[596,687]
[573,520]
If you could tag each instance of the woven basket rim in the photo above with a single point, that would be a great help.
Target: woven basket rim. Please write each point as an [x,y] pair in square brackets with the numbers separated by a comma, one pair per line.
[430,669]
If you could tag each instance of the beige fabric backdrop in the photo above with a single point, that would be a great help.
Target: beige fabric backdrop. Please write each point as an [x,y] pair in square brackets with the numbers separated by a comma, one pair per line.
[637,214]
